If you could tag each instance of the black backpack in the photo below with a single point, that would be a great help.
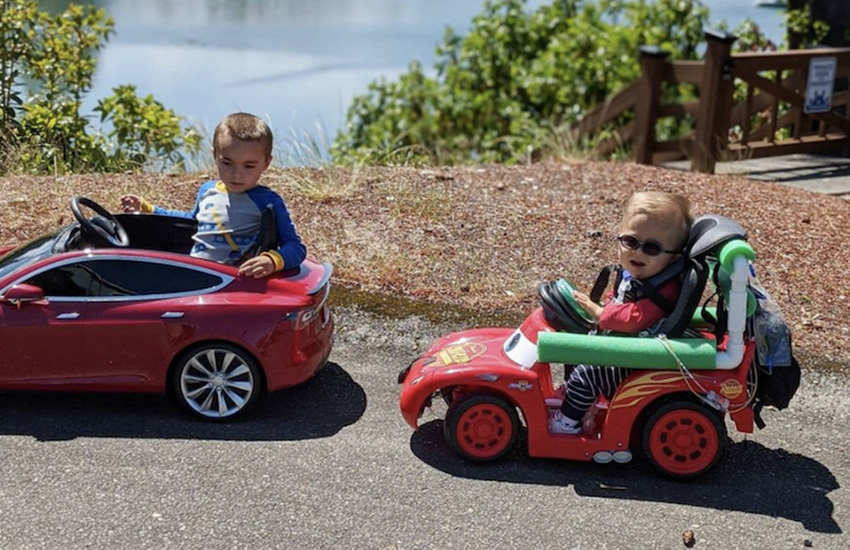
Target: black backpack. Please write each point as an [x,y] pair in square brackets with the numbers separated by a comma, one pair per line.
[777,372]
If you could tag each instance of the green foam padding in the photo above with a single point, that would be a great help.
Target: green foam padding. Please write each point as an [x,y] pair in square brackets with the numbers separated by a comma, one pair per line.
[732,250]
[698,321]
[624,351]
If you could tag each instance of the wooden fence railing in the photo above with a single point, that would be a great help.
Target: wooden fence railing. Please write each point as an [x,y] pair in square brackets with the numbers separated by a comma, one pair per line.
[775,92]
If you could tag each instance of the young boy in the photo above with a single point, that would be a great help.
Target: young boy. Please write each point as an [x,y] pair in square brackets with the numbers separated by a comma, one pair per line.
[229,210]
[652,236]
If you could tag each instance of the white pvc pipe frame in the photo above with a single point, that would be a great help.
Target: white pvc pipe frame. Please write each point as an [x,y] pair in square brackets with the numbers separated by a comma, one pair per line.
[737,312]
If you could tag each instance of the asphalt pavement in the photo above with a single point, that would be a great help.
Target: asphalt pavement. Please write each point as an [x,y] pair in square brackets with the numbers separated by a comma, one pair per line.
[818,173]
[332,465]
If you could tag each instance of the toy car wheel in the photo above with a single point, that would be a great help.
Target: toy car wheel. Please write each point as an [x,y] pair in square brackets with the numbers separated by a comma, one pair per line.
[481,428]
[684,439]
[217,382]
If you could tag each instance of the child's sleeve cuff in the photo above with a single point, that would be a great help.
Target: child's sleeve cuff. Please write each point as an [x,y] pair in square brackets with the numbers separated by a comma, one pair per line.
[146,206]
[276,258]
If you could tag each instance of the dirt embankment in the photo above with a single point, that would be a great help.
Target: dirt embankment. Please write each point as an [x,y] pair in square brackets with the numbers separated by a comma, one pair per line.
[485,237]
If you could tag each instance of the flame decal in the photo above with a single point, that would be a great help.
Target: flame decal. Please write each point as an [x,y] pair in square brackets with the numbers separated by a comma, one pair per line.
[632,393]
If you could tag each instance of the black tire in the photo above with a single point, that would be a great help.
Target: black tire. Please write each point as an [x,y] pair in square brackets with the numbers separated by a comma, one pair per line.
[217,382]
[481,428]
[684,439]
[449,398]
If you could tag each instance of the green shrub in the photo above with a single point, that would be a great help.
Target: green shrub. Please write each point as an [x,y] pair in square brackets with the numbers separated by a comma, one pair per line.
[52,60]
[518,77]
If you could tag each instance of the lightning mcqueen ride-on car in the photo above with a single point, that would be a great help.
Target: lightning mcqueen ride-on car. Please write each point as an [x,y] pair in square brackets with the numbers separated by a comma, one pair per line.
[113,303]
[672,406]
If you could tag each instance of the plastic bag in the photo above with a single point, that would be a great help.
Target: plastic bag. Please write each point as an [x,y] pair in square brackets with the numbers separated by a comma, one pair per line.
[771,333]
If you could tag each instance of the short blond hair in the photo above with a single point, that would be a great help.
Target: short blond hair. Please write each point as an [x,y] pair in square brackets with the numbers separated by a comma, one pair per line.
[671,208]
[244,127]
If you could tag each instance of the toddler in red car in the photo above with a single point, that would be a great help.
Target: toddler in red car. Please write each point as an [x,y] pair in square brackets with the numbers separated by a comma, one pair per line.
[651,238]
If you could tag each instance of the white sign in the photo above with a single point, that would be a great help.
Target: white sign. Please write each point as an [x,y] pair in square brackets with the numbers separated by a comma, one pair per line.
[819,86]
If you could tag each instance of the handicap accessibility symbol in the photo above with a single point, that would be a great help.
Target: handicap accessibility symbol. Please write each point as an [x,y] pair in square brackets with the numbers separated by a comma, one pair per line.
[820,85]
[819,100]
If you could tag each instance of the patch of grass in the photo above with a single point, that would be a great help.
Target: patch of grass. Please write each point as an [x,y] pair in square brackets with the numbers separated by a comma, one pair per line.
[432,202]
[10,153]
[396,307]
[563,144]
[304,148]
[317,184]
[303,166]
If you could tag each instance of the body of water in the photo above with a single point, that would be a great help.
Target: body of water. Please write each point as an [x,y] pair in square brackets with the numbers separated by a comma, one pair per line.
[297,62]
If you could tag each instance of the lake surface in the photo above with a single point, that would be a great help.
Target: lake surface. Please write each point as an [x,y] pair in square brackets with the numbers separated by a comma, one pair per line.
[297,62]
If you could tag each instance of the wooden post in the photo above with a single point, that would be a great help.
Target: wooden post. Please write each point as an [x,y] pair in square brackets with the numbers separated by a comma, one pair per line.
[774,109]
[652,61]
[715,102]
[748,114]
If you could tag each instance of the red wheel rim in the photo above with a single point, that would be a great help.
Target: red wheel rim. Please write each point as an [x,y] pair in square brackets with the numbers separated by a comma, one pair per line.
[484,430]
[684,442]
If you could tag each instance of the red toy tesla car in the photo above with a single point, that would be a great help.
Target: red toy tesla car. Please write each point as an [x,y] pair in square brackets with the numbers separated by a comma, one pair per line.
[672,406]
[114,303]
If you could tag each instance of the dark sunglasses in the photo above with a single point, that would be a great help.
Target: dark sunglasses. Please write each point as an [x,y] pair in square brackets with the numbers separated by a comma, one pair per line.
[650,248]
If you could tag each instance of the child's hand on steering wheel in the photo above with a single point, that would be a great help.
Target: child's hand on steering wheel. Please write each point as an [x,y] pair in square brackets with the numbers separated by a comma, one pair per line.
[131,203]
[594,309]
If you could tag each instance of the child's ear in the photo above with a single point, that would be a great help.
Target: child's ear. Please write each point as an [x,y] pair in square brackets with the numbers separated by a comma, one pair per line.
[268,162]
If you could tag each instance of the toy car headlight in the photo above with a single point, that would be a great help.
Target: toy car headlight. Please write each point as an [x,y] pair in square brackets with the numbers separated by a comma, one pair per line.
[519,349]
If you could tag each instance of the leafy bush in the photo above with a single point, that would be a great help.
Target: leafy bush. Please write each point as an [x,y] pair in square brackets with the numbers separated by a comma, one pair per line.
[52,60]
[803,30]
[514,81]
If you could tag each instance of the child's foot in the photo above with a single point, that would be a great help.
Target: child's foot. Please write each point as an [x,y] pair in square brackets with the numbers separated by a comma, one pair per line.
[560,424]
[557,398]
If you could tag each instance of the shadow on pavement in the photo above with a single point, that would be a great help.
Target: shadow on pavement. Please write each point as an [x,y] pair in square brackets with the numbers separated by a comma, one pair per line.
[320,407]
[751,478]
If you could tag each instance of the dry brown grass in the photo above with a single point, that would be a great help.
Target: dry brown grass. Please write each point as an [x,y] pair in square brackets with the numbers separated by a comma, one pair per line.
[485,237]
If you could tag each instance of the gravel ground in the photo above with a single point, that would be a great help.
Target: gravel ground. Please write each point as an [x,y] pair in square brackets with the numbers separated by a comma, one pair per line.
[483,238]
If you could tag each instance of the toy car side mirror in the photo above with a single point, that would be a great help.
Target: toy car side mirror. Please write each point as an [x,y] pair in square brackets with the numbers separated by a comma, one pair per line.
[24,293]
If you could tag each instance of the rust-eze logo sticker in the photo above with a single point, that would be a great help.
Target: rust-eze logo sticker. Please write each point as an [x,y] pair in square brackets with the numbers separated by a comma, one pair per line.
[731,389]
[458,355]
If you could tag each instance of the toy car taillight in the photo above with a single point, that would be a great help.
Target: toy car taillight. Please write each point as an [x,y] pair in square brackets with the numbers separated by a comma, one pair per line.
[303,317]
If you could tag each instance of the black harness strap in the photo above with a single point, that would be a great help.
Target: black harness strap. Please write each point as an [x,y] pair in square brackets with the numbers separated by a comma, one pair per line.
[602,281]
[650,291]
[640,288]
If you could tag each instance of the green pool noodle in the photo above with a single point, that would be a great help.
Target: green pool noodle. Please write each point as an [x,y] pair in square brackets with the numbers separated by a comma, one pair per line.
[726,259]
[732,250]
[724,279]
[697,321]
[624,351]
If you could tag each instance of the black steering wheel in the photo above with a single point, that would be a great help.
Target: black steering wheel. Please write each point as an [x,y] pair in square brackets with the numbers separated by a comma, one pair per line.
[562,310]
[104,226]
